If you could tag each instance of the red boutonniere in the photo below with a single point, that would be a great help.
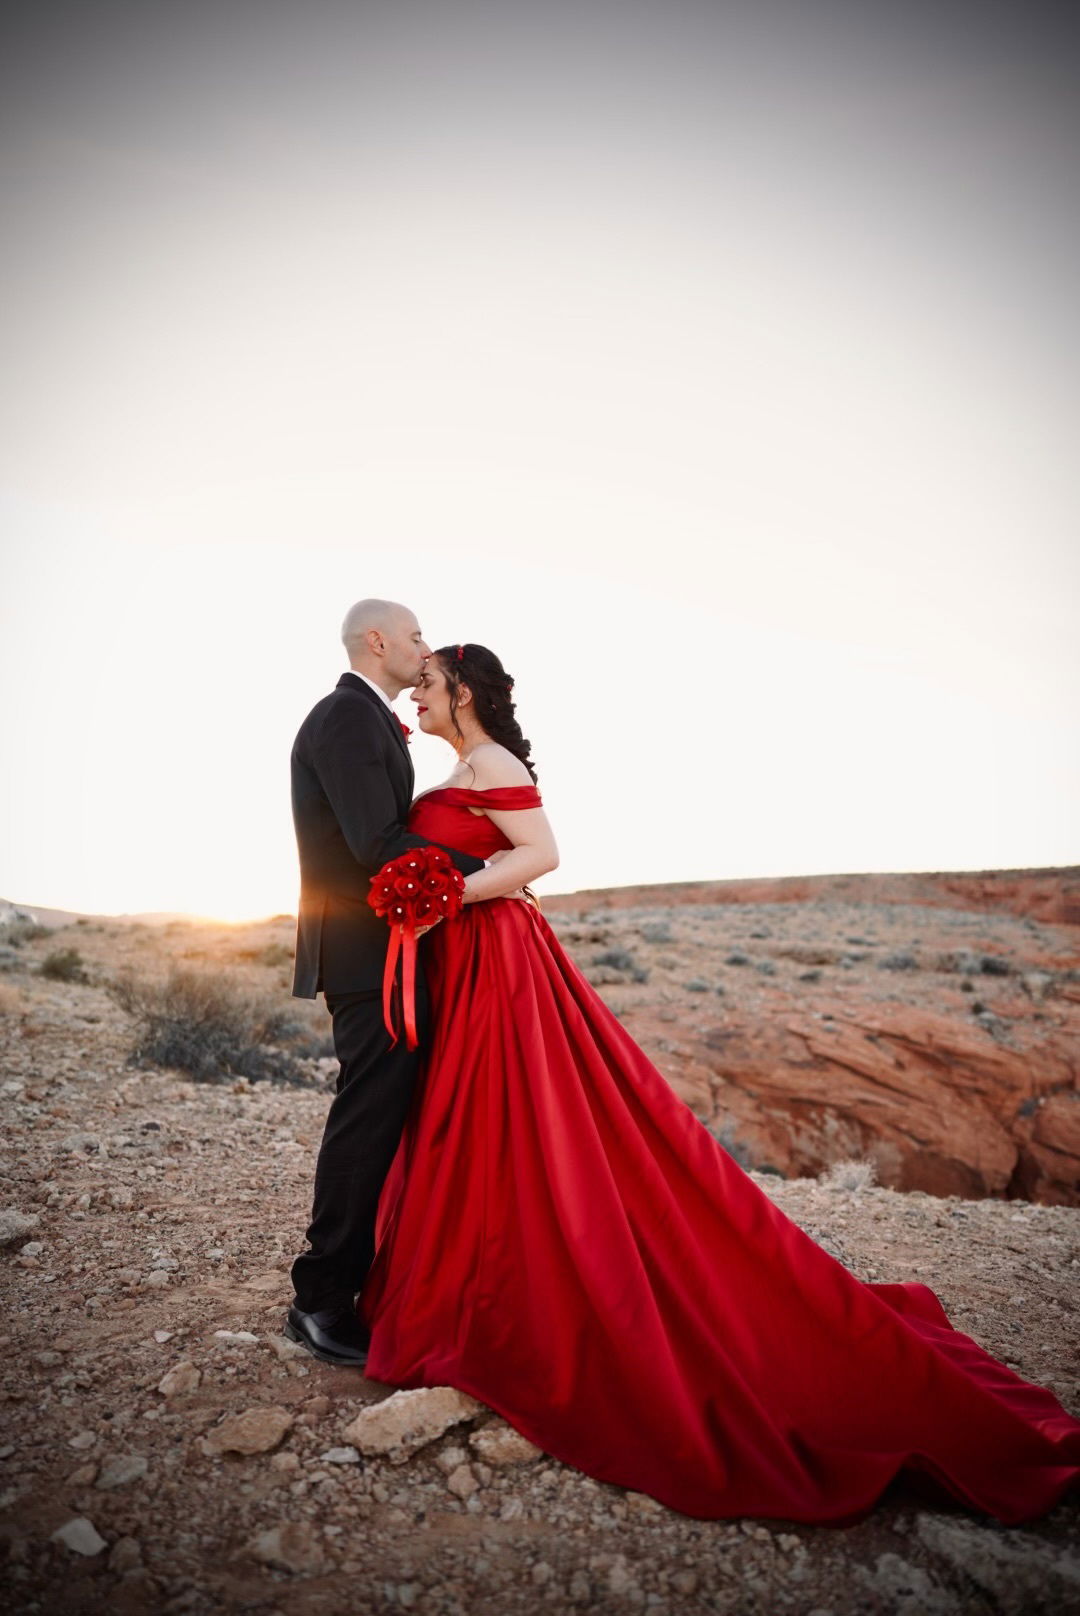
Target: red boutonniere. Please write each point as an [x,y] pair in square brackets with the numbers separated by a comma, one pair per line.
[405,730]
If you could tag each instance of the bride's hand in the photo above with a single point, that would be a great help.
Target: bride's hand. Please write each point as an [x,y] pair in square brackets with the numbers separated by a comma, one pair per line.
[420,930]
[493,858]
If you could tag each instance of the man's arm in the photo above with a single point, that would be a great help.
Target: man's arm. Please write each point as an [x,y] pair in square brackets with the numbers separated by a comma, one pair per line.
[350,763]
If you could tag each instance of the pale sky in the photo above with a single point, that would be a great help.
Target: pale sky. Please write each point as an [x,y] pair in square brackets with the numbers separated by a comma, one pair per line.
[716,365]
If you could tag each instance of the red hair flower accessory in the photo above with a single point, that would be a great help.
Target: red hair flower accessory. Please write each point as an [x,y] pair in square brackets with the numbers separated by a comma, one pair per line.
[461,653]
[415,889]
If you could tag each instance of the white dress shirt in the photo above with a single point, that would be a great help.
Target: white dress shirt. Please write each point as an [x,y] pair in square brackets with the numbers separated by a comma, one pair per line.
[379,691]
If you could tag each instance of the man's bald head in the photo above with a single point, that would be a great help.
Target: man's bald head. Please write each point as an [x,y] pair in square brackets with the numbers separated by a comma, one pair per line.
[384,642]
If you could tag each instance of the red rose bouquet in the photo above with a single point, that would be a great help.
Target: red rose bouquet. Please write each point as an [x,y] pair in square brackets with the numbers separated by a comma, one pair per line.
[411,891]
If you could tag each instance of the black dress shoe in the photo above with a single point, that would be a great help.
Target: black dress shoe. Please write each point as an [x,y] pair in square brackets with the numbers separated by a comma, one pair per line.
[334,1334]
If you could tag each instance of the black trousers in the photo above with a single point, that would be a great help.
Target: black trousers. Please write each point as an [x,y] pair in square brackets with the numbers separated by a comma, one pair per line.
[363,1129]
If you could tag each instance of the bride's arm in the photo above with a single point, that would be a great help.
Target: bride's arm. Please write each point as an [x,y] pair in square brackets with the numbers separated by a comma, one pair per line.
[533,852]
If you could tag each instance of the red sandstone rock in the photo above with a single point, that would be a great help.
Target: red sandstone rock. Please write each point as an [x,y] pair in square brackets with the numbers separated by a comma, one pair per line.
[1045,894]
[946,1050]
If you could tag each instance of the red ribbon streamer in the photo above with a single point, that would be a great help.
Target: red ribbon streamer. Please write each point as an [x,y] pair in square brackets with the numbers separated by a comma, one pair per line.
[403,942]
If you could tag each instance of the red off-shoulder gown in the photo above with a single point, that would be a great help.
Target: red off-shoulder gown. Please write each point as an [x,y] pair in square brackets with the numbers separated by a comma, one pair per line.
[561,1237]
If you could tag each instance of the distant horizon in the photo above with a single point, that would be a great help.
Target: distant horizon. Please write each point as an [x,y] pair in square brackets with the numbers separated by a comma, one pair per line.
[163,916]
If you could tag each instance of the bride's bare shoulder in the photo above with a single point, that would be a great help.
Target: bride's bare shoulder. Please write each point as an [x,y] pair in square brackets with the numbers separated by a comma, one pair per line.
[495,766]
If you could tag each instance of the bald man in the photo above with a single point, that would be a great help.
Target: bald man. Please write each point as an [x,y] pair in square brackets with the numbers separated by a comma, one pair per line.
[352,786]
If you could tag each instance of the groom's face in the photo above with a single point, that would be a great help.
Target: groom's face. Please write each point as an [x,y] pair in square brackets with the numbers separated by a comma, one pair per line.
[406,649]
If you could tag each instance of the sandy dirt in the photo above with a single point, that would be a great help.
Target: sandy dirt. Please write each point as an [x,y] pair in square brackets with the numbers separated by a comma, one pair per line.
[159,1212]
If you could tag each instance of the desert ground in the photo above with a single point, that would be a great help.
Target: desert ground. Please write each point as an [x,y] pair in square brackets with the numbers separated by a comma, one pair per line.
[909,1104]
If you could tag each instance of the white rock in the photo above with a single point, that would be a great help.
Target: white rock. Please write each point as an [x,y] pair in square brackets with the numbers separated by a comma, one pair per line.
[236,1338]
[80,1535]
[156,1278]
[83,1143]
[14,1224]
[905,1588]
[285,1349]
[182,1377]
[408,1420]
[122,1470]
[257,1430]
[292,1546]
[162,1336]
[1016,1569]
[33,1248]
[340,1456]
[450,1459]
[497,1443]
[462,1483]
[84,1440]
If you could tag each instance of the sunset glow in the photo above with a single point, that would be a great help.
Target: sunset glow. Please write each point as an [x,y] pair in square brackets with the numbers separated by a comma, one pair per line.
[719,374]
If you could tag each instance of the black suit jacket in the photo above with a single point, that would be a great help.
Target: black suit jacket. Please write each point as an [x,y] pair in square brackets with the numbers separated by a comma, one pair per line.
[352,785]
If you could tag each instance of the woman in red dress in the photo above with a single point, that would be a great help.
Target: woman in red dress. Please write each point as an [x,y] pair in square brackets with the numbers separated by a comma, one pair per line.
[560,1237]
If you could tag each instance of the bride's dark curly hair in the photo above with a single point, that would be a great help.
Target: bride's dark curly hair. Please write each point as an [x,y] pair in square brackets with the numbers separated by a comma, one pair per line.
[491,686]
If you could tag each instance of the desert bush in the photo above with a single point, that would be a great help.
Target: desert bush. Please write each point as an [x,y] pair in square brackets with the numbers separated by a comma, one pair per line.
[898,962]
[275,954]
[994,965]
[697,986]
[618,958]
[657,932]
[18,932]
[201,1023]
[725,1135]
[850,1175]
[64,965]
[737,957]
[10,1000]
[615,960]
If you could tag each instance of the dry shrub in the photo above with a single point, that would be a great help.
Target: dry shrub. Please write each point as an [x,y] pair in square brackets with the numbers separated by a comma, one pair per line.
[850,1175]
[64,965]
[201,1023]
[11,1001]
[17,932]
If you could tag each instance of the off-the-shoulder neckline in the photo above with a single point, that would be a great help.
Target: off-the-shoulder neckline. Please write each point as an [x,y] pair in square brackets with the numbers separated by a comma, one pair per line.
[469,791]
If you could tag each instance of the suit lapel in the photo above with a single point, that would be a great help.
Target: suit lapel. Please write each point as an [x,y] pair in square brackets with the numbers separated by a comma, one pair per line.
[351,681]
